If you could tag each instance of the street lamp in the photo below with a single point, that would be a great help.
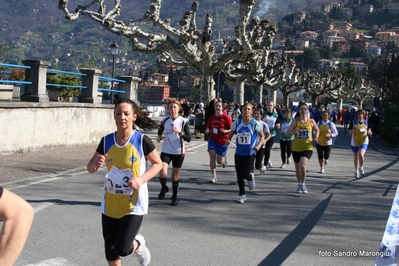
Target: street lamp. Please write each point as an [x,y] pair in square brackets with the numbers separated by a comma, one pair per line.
[114,51]
[178,81]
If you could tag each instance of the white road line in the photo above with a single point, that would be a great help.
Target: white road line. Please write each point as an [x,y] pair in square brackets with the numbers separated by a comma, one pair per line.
[42,206]
[53,262]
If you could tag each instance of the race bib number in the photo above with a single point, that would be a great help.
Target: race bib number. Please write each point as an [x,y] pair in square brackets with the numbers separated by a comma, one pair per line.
[244,138]
[117,181]
[303,134]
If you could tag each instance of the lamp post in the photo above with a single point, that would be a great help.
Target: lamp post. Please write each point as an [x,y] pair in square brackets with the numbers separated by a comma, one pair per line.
[178,80]
[114,51]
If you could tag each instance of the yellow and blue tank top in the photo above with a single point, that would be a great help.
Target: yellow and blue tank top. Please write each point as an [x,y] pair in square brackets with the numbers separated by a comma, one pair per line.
[359,136]
[119,199]
[303,139]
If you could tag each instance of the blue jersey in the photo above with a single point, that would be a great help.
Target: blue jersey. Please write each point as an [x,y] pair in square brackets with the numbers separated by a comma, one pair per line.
[247,136]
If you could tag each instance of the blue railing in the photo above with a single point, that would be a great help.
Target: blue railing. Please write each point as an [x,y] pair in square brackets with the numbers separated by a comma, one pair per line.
[102,78]
[18,82]
[66,73]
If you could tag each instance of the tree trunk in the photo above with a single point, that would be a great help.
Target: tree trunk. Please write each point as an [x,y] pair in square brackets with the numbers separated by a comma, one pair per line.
[259,94]
[286,99]
[239,93]
[340,101]
[272,95]
[207,89]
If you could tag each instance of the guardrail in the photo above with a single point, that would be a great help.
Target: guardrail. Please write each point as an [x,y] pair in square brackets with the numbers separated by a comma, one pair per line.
[36,72]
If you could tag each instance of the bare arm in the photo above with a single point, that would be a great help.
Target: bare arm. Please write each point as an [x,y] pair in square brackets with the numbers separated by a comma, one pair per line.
[96,162]
[156,166]
[315,130]
[292,130]
[17,215]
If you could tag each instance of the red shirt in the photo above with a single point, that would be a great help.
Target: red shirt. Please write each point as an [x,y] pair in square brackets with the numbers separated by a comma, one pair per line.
[215,123]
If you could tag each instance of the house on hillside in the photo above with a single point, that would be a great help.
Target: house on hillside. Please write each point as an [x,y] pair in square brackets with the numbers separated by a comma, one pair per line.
[323,26]
[325,65]
[365,9]
[360,67]
[374,50]
[308,35]
[160,78]
[346,12]
[327,7]
[298,18]
[148,91]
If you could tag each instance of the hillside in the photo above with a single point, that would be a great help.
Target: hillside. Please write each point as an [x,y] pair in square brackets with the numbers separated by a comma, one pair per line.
[38,30]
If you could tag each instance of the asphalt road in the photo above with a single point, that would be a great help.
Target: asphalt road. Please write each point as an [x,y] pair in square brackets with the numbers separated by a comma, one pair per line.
[334,224]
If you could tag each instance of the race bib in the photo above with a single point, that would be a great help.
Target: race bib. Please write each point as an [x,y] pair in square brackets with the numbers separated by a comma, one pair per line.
[303,134]
[244,138]
[214,130]
[362,129]
[117,181]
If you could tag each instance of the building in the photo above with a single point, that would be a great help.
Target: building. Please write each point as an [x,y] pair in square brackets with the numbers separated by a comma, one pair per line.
[360,67]
[299,17]
[365,9]
[153,92]
[308,35]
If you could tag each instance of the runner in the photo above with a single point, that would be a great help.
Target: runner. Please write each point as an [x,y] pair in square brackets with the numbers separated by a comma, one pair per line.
[247,144]
[266,133]
[359,142]
[125,201]
[271,119]
[328,131]
[218,128]
[177,131]
[286,142]
[302,145]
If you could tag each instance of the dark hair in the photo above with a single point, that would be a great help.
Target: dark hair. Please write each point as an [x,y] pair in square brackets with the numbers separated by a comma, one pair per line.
[143,121]
[299,106]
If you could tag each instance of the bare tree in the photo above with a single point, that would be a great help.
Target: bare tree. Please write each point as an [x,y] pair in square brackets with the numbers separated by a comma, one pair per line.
[186,44]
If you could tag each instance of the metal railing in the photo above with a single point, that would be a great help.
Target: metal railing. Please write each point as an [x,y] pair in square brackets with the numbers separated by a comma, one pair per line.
[8,81]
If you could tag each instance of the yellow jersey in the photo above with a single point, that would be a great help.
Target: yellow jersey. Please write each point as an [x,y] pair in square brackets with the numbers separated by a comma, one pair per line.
[303,139]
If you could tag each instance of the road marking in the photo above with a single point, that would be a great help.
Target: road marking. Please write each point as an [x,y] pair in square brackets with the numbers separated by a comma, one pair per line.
[53,262]
[42,206]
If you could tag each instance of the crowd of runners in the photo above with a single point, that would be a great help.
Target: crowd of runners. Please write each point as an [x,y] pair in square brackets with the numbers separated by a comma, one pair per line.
[127,151]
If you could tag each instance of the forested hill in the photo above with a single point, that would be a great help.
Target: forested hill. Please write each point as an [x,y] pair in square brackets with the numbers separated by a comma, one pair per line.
[37,29]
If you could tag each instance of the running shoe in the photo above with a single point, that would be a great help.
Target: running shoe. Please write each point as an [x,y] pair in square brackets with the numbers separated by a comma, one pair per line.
[225,163]
[214,179]
[161,194]
[357,174]
[283,165]
[143,254]
[325,162]
[174,201]
[288,161]
[304,190]
[361,171]
[321,170]
[262,170]
[242,199]
[269,164]
[251,181]
[299,189]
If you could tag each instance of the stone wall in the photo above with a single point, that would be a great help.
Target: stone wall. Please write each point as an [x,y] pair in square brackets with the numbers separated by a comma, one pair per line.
[26,126]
